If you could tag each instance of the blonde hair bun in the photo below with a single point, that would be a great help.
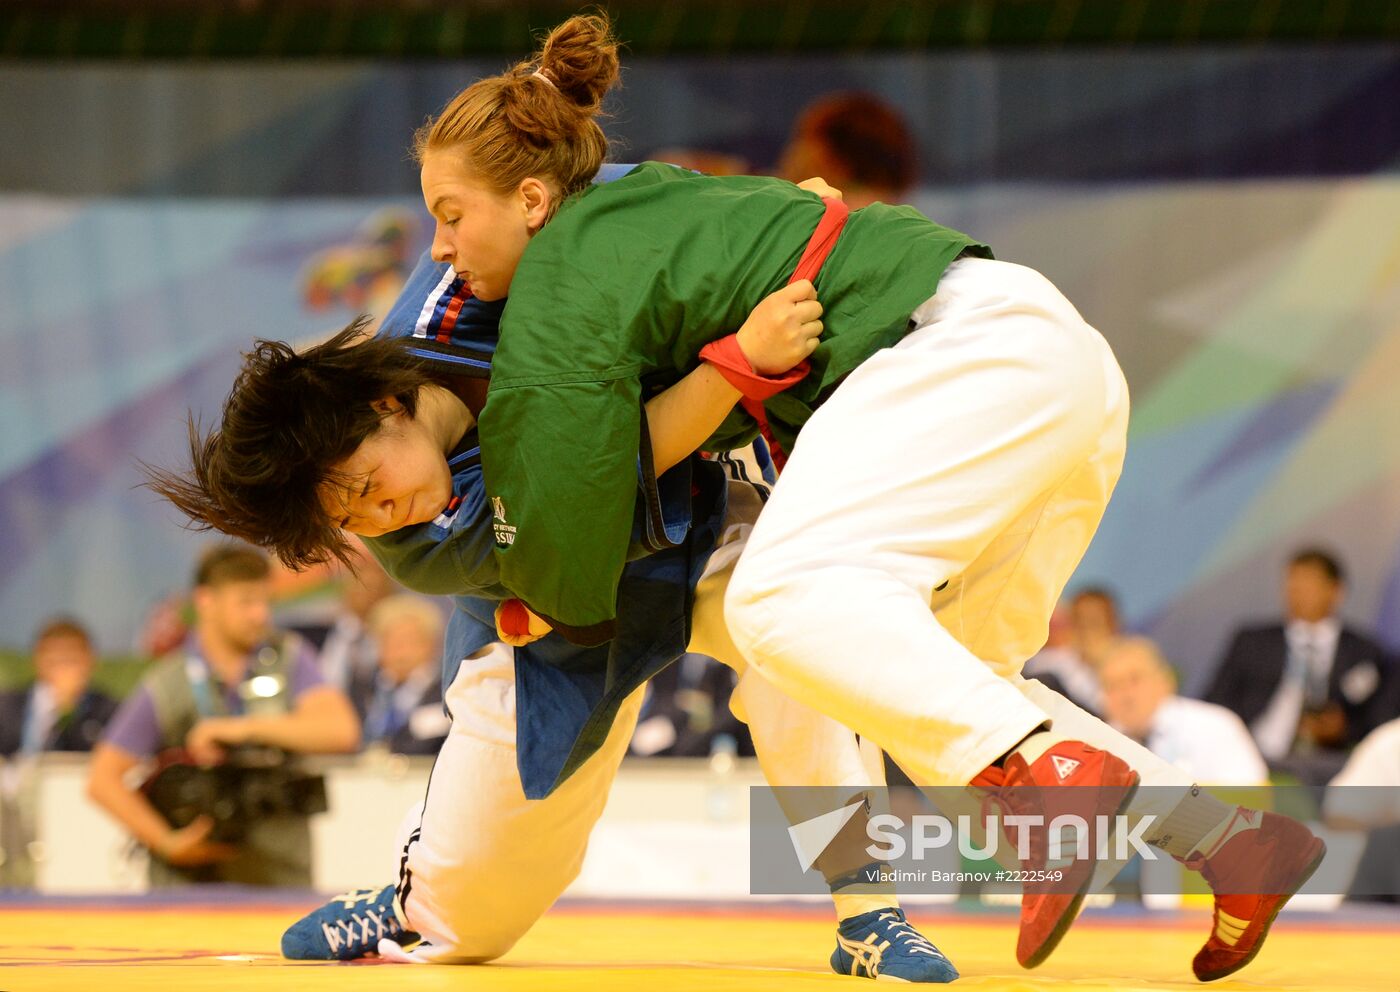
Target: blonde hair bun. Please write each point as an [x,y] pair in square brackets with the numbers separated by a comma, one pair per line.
[538,119]
[580,58]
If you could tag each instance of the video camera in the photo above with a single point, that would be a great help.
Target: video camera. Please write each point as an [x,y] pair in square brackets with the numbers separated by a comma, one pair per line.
[251,784]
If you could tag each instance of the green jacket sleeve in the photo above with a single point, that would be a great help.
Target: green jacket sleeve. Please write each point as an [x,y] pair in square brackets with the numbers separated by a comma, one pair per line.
[561,477]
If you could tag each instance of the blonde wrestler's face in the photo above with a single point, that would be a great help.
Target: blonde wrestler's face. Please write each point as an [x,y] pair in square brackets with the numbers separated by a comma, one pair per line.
[480,231]
[396,478]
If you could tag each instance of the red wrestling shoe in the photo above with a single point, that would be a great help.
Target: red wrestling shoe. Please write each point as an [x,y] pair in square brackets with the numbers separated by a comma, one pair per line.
[1071,778]
[1261,861]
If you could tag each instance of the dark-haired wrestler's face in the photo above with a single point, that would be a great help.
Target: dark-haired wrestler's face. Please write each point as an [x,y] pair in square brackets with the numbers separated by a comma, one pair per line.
[396,478]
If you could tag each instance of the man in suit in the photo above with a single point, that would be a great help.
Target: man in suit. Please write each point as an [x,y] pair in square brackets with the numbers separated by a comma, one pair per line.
[1311,684]
[59,712]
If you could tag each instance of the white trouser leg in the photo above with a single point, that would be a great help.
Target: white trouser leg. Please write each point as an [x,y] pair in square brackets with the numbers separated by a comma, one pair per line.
[980,452]
[795,745]
[486,862]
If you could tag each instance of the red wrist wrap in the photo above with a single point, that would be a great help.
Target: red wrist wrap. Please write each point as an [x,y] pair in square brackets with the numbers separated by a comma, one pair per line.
[728,358]
[726,355]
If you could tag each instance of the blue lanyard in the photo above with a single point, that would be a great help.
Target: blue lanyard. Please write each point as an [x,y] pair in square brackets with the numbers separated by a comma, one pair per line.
[197,671]
[385,717]
[33,739]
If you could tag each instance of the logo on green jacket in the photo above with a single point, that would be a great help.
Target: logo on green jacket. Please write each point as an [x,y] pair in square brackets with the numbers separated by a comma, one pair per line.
[505,533]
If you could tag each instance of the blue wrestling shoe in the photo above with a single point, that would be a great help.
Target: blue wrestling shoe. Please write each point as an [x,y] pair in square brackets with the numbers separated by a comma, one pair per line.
[883,945]
[349,926]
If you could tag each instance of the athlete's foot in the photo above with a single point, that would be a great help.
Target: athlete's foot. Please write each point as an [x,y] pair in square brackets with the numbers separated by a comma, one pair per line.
[882,944]
[1253,869]
[1069,779]
[349,926]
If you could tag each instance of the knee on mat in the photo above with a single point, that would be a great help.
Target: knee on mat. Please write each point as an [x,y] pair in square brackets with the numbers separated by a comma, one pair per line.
[484,953]
[472,935]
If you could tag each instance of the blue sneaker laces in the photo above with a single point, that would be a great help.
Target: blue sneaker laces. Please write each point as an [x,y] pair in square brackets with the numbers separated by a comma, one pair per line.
[348,926]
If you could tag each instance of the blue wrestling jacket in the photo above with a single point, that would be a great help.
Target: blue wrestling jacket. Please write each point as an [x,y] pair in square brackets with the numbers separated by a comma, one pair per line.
[567,696]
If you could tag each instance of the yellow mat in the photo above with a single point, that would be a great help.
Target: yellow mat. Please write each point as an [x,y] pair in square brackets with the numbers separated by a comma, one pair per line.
[185,949]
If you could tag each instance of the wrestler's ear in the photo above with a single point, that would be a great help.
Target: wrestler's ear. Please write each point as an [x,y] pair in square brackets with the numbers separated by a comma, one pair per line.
[538,201]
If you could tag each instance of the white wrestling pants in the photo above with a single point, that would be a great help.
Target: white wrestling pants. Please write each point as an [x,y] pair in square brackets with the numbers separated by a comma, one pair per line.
[932,511]
[482,863]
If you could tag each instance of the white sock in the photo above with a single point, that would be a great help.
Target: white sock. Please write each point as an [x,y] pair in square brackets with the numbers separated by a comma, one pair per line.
[1197,822]
[1240,819]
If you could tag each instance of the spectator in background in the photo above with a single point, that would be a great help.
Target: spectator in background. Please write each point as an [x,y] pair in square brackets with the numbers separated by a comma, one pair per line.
[1207,741]
[234,682]
[1309,685]
[856,142]
[1080,638]
[400,703]
[60,711]
[1094,625]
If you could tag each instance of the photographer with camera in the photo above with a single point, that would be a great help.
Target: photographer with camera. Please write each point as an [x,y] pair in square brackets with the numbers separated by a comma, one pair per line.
[224,715]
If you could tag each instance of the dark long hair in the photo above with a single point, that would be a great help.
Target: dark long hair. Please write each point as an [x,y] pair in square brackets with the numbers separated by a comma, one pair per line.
[288,421]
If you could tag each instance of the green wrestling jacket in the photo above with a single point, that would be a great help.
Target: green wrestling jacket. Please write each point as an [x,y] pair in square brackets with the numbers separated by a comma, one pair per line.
[613,299]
